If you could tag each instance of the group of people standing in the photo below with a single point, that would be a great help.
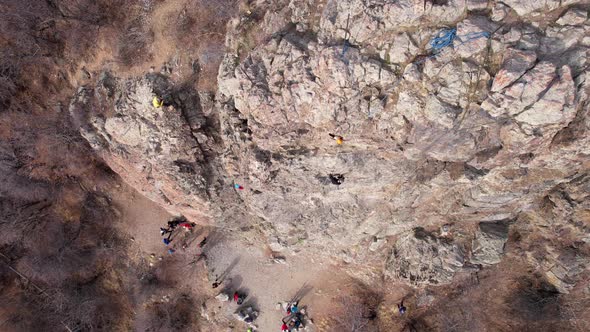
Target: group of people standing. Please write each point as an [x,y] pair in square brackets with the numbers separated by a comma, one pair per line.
[172,225]
[294,319]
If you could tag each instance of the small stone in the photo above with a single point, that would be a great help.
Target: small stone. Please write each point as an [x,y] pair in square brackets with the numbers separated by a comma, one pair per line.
[280,260]
[222,297]
[445,230]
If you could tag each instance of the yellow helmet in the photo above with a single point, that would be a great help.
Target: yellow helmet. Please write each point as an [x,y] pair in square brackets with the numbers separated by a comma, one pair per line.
[157,102]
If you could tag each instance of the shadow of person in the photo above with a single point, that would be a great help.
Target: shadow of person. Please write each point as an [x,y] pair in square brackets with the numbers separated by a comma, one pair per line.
[306,288]
[228,269]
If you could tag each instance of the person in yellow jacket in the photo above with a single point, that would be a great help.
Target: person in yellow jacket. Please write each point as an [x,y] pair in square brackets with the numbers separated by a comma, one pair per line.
[339,139]
[157,102]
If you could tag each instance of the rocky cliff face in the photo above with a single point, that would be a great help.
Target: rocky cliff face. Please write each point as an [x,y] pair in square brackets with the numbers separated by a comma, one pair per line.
[450,157]
[165,153]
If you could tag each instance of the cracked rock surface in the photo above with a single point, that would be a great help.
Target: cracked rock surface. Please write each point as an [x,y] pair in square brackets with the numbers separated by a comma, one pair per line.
[489,136]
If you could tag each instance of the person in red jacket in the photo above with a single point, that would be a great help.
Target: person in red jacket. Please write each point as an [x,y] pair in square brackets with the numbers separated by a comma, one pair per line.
[186,225]
[284,327]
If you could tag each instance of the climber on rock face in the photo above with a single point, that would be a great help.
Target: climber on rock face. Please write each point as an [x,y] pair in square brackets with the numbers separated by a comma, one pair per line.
[401,308]
[336,179]
[203,242]
[337,138]
[157,102]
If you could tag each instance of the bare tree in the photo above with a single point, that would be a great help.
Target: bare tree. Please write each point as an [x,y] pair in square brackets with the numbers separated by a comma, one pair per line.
[355,314]
[8,80]
[133,44]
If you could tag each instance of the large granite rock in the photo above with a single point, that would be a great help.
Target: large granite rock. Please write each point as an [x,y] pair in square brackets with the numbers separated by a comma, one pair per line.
[466,135]
[162,152]
[479,132]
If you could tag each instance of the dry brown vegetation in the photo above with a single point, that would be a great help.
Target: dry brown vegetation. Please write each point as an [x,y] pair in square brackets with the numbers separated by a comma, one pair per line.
[357,311]
[63,264]
[61,273]
[198,28]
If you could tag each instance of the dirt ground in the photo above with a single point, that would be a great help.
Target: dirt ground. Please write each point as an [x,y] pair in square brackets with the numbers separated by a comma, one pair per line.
[242,266]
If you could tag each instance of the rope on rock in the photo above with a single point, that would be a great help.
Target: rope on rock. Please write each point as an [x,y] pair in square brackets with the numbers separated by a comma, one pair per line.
[445,38]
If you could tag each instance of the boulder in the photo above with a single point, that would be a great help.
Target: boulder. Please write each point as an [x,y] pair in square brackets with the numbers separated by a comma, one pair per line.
[469,42]
[522,93]
[477,4]
[419,257]
[574,16]
[552,107]
[488,245]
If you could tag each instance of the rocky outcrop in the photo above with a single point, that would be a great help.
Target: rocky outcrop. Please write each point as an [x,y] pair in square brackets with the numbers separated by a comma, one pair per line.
[463,135]
[489,242]
[560,248]
[476,132]
[163,152]
[421,257]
